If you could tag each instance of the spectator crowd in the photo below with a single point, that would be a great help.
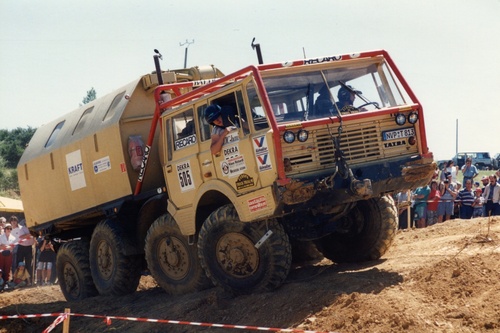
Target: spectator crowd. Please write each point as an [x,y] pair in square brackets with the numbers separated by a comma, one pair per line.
[446,197]
[24,260]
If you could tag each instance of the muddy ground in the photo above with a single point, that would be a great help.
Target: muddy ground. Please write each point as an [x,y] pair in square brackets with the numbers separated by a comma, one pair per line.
[444,278]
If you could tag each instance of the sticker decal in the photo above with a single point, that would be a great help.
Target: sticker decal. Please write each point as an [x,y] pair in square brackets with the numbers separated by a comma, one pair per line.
[75,170]
[101,165]
[244,181]
[185,142]
[233,166]
[262,153]
[185,176]
[257,204]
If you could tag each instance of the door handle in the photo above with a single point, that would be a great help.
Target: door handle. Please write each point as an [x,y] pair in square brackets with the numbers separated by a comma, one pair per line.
[169,168]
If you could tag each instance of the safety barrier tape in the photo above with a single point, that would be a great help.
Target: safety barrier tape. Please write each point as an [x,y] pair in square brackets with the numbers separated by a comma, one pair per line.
[62,316]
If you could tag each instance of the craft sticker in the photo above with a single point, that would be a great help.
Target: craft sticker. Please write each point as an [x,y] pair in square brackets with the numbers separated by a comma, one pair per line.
[101,165]
[185,176]
[262,153]
[75,170]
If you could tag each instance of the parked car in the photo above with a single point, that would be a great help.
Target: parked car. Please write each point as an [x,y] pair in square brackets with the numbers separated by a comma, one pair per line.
[482,160]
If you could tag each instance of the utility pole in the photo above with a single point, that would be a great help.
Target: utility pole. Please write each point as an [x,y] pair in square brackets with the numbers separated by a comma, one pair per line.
[186,50]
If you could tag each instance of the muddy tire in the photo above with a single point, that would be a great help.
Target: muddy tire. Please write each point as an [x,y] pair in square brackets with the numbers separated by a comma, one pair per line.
[73,271]
[372,226]
[173,263]
[113,272]
[228,254]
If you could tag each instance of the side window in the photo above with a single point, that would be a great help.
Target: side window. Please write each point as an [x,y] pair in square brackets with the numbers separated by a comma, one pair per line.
[54,134]
[258,114]
[242,113]
[184,129]
[204,126]
[82,121]
[112,108]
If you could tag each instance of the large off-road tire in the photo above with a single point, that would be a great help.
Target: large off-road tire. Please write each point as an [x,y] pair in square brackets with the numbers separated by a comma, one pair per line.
[172,261]
[113,272]
[228,252]
[73,271]
[372,226]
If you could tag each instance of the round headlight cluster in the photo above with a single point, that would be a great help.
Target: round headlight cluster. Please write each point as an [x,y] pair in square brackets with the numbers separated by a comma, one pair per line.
[290,136]
[401,118]
[413,117]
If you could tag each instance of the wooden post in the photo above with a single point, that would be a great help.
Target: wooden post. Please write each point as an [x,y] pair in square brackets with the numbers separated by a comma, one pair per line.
[66,321]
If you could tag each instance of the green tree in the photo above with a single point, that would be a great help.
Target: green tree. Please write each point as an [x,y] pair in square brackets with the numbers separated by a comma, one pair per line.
[13,143]
[91,95]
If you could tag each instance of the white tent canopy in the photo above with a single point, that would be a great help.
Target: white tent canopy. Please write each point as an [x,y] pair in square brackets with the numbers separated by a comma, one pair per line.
[11,205]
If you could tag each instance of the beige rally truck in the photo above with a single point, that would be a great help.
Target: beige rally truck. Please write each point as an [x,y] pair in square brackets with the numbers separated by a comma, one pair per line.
[319,145]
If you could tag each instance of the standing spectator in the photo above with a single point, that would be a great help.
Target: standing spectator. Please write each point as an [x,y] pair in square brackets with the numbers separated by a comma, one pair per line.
[485,180]
[456,203]
[448,194]
[478,203]
[16,232]
[491,197]
[469,171]
[466,198]
[25,247]
[420,197]
[451,169]
[403,203]
[3,220]
[6,247]
[47,259]
[432,204]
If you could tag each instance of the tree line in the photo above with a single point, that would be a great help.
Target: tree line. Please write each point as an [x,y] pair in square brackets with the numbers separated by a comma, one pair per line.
[12,145]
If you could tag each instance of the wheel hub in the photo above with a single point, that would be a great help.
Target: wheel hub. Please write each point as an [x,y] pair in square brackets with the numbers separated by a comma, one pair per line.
[174,258]
[237,255]
[105,260]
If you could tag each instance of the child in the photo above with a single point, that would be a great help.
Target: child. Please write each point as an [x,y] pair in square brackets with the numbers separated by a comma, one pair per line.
[21,277]
[478,203]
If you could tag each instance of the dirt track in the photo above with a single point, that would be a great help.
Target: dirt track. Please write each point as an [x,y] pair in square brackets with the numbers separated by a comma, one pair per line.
[445,278]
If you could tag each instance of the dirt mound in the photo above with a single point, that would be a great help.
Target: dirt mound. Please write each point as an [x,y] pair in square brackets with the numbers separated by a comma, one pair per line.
[445,278]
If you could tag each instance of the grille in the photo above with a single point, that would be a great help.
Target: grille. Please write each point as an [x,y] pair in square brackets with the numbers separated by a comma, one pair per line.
[361,143]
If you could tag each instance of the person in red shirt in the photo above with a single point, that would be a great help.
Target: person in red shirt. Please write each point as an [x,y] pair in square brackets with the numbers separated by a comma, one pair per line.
[433,203]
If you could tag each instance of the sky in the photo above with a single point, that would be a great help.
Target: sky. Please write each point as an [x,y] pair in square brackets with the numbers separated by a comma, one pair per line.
[53,51]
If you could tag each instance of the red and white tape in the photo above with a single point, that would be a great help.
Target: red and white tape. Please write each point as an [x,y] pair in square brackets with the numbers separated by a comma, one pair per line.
[107,319]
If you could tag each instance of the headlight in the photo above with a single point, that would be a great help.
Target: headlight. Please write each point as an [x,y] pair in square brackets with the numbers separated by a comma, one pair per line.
[400,119]
[303,135]
[413,117]
[289,137]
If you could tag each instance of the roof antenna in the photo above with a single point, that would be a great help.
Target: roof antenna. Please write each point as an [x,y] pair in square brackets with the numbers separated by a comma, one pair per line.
[259,54]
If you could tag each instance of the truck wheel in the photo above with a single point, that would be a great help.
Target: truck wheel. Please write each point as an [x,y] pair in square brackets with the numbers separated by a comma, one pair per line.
[113,272]
[171,260]
[228,252]
[73,271]
[371,228]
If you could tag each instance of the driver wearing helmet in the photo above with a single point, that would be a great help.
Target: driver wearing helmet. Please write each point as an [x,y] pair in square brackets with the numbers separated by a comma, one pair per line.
[346,97]
[221,127]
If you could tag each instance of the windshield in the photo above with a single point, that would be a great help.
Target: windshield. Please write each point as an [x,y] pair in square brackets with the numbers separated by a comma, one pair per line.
[324,93]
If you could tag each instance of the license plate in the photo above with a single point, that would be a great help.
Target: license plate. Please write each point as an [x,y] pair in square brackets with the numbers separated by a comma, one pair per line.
[398,134]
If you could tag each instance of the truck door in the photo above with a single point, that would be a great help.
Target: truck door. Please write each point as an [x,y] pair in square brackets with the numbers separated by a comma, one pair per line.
[182,170]
[235,164]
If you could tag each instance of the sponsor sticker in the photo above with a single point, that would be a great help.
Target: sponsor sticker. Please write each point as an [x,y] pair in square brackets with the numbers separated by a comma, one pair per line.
[257,204]
[262,153]
[185,142]
[75,170]
[101,165]
[244,181]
